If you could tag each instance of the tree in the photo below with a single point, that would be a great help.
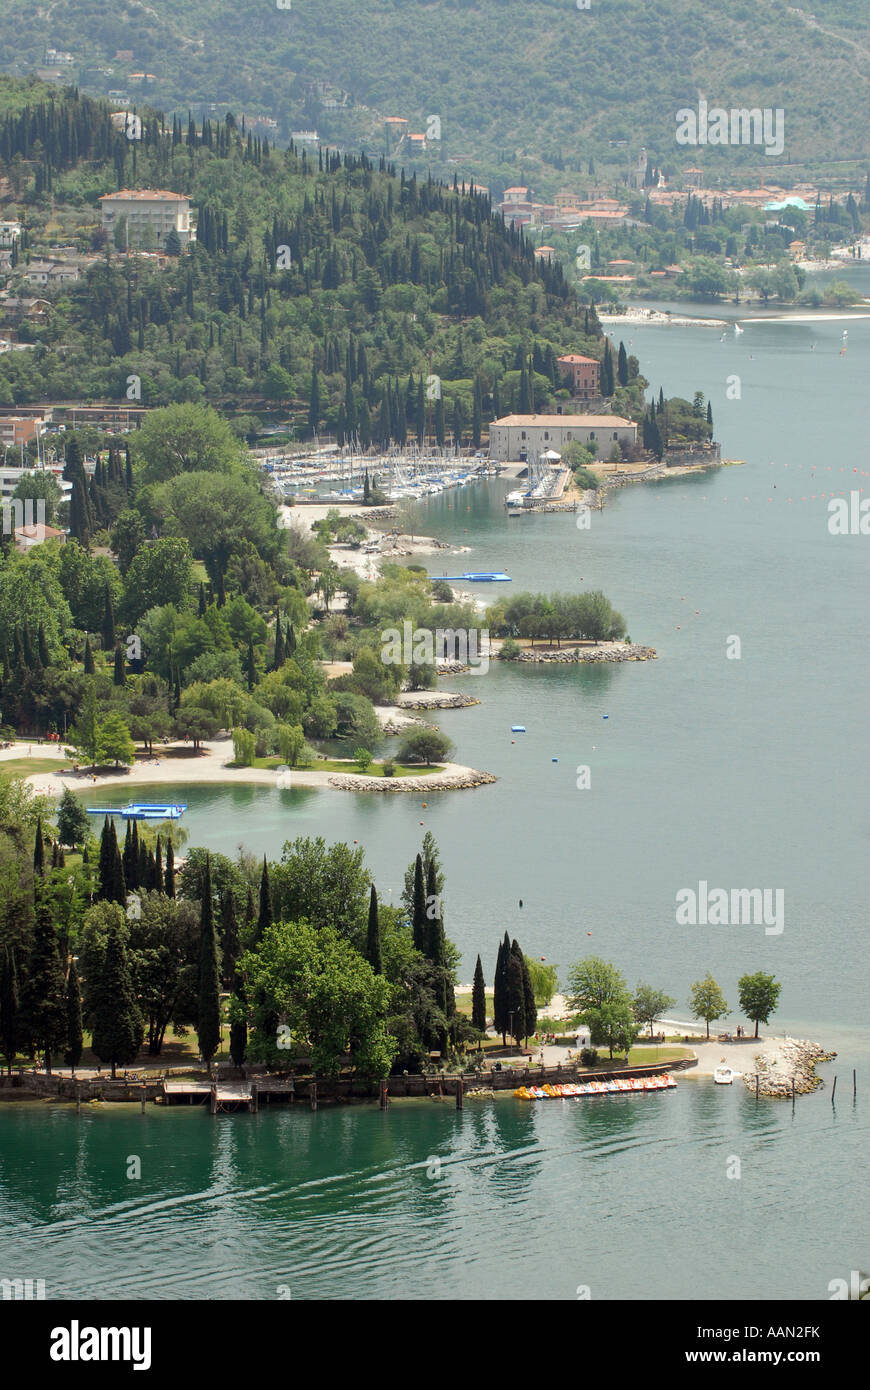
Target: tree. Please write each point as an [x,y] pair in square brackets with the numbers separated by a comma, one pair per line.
[209,1012]
[326,993]
[111,1003]
[46,1011]
[127,537]
[107,629]
[545,981]
[419,920]
[650,1004]
[759,996]
[89,658]
[72,820]
[373,935]
[707,1001]
[516,996]
[599,994]
[10,1020]
[424,745]
[115,744]
[38,850]
[478,999]
[501,1017]
[172,243]
[169,871]
[185,438]
[529,1005]
[74,1038]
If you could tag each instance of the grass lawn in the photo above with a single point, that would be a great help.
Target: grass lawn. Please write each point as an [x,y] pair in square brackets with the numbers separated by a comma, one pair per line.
[348,765]
[24,767]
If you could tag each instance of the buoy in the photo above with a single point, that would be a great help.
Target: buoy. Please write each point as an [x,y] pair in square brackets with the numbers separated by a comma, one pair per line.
[421,822]
[554,760]
[605,716]
[521,902]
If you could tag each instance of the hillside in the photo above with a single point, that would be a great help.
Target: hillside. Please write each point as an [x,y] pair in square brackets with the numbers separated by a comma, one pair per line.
[527,89]
[400,298]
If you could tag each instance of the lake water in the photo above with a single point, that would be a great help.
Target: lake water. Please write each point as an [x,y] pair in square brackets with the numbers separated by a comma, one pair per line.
[744,773]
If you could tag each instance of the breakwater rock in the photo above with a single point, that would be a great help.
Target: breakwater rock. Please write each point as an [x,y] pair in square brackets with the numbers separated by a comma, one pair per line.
[632,652]
[435,699]
[453,781]
[790,1070]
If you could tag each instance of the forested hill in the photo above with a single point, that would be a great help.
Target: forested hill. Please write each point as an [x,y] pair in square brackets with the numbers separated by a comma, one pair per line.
[321,284]
[530,87]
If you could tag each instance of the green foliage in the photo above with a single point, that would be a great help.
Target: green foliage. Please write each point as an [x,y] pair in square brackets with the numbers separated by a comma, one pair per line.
[545,980]
[707,1001]
[424,745]
[598,994]
[650,1004]
[759,996]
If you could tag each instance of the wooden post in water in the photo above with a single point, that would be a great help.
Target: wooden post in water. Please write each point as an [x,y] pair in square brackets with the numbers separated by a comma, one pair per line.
[757,1083]
[854,1084]
[313,1095]
[385,1096]
[78,1098]
[834,1090]
[143,1092]
[255,1098]
[213,1100]
[459,1095]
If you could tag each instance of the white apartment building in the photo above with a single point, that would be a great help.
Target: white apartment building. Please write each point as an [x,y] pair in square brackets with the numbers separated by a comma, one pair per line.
[156,208]
[516,437]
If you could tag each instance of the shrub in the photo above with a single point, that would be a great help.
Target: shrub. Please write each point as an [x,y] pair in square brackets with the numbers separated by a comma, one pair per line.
[244,745]
[363,759]
[510,649]
[588,1056]
[389,768]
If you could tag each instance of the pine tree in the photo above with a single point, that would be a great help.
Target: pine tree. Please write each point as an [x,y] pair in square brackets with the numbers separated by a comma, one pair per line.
[373,935]
[209,1011]
[46,1005]
[117,1023]
[74,1040]
[9,1006]
[478,999]
[169,874]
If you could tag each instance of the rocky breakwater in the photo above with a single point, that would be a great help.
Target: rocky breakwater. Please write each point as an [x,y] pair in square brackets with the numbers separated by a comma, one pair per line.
[633,651]
[439,782]
[790,1070]
[435,699]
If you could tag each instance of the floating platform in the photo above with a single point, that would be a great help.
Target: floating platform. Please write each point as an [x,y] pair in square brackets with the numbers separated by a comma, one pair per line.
[518,728]
[142,810]
[480,577]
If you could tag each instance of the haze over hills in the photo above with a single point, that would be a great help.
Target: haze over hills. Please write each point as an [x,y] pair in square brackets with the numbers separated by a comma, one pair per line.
[523,89]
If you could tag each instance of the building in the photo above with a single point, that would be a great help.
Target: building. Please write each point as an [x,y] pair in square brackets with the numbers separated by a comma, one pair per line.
[584,374]
[147,208]
[9,233]
[26,537]
[417,143]
[19,429]
[516,437]
[40,272]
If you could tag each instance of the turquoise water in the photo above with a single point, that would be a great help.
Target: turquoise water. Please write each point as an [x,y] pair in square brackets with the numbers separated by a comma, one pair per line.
[744,773]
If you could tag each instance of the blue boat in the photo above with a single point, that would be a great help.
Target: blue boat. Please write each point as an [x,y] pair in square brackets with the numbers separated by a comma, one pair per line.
[482,577]
[142,810]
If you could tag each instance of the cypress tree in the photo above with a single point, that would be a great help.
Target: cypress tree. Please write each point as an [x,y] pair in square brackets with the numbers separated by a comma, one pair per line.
[229,935]
[478,999]
[516,999]
[238,1027]
[107,630]
[169,875]
[209,1012]
[498,994]
[117,1023]
[127,857]
[264,917]
[132,869]
[419,920]
[39,850]
[46,1011]
[158,867]
[143,871]
[119,887]
[119,676]
[373,935]
[622,366]
[74,1040]
[105,869]
[89,658]
[278,660]
[201,608]
[9,1007]
[250,665]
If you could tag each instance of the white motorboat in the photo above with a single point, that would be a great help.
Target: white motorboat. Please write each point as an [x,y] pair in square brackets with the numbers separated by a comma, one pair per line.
[724,1076]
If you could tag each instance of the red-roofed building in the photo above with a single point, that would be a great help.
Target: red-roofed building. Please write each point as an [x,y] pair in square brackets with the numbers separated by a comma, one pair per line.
[584,374]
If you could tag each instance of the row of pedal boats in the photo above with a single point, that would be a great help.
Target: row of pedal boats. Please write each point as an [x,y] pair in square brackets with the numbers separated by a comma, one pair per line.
[570,1089]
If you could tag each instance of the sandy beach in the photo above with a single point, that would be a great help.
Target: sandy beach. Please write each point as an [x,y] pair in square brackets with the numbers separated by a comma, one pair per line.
[179,765]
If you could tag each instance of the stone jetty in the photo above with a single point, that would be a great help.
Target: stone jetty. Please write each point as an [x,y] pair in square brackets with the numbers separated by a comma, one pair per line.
[633,651]
[468,777]
[794,1061]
